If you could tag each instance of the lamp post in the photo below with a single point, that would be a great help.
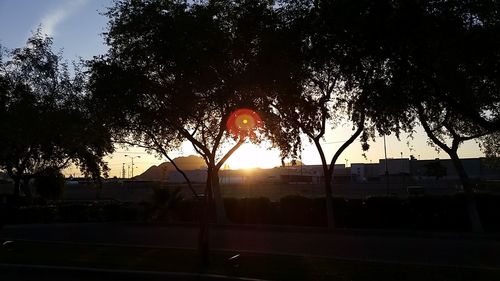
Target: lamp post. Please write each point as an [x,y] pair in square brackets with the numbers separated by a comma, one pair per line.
[132,160]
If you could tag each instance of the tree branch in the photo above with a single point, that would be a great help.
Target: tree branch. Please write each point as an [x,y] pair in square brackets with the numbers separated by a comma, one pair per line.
[361,127]
[229,153]
[222,129]
[430,134]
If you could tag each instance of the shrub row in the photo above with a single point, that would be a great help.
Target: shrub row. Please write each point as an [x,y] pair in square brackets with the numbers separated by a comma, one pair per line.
[81,212]
[421,213]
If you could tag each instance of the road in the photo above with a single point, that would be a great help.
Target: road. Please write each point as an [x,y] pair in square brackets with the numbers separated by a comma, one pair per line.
[54,273]
[452,250]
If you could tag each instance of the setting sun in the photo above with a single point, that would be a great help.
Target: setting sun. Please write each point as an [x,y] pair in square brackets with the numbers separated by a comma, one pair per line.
[253,156]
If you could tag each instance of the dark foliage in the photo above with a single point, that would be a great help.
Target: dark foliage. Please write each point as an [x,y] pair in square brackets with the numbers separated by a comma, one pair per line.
[249,210]
[50,184]
[176,70]
[424,213]
[46,121]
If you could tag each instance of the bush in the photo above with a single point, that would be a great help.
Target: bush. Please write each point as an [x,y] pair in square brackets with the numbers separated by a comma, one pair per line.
[166,197]
[296,210]
[164,200]
[76,213]
[49,184]
[189,210]
[429,213]
[489,210]
[249,210]
[34,214]
[119,212]
[437,213]
[385,212]
[348,212]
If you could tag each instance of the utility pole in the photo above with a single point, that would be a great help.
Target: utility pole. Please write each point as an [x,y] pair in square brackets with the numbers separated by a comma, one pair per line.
[123,170]
[132,165]
[386,169]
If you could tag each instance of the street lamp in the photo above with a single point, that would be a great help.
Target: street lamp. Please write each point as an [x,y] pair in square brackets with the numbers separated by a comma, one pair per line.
[132,159]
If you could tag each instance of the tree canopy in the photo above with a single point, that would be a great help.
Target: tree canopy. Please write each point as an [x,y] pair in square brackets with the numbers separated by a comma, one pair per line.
[178,71]
[440,60]
[46,121]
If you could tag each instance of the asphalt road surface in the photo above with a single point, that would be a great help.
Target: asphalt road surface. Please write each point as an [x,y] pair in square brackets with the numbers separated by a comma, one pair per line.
[54,273]
[440,249]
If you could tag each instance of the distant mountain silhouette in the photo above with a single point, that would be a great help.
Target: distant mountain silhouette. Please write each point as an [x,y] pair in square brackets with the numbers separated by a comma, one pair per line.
[160,172]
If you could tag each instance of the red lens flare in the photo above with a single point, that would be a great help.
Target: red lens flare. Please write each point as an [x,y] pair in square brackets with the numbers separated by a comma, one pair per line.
[243,122]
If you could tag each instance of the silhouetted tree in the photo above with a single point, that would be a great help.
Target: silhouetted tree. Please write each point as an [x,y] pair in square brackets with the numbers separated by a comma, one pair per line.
[442,68]
[490,145]
[440,127]
[176,71]
[334,77]
[432,61]
[452,76]
[45,118]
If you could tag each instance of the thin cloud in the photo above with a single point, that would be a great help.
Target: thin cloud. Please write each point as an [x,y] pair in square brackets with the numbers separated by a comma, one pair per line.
[50,21]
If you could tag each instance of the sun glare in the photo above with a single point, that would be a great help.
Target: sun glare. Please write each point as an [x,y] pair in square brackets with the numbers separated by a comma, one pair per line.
[243,123]
[250,156]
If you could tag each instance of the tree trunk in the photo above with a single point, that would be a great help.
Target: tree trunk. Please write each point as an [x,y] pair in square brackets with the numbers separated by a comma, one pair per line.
[25,187]
[329,170]
[205,211]
[470,201]
[17,188]
[327,178]
[220,211]
[17,183]
[329,202]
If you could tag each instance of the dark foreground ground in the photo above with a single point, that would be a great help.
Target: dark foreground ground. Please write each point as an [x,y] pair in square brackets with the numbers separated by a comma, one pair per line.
[276,253]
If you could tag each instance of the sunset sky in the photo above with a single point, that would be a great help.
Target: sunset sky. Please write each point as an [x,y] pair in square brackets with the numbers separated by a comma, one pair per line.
[76,27]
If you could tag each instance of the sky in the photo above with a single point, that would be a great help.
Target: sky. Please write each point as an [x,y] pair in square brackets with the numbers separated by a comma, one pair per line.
[77,26]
